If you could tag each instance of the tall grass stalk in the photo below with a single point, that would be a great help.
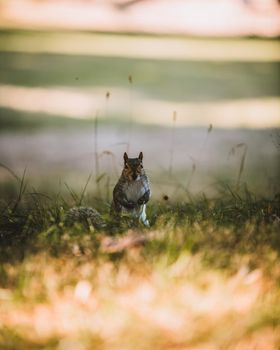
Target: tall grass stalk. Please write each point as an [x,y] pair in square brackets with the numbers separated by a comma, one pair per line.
[107,98]
[203,150]
[84,190]
[73,194]
[22,189]
[10,171]
[174,119]
[192,173]
[96,154]
[130,126]
[242,164]
[244,147]
[78,199]
[210,128]
[112,156]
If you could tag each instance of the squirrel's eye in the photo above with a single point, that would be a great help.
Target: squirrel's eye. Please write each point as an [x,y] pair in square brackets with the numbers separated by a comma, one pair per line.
[126,166]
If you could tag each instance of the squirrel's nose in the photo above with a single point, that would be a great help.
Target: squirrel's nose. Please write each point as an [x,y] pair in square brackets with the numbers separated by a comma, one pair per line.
[134,176]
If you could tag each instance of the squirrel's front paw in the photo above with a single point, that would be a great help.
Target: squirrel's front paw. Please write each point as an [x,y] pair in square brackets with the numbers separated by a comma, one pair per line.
[144,199]
[141,201]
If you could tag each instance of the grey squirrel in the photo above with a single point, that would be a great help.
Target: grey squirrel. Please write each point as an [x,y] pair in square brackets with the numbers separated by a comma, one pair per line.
[130,196]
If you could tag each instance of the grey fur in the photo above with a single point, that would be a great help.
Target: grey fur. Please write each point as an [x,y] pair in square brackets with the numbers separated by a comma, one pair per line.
[130,196]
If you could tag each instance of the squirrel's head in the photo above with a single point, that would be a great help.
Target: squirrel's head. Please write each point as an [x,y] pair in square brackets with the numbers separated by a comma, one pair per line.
[133,167]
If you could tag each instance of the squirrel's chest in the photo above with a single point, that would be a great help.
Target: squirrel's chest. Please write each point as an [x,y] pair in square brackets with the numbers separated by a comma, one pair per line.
[134,190]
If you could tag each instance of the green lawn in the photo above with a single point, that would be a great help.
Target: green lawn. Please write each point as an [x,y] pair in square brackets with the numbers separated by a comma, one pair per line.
[41,61]
[167,80]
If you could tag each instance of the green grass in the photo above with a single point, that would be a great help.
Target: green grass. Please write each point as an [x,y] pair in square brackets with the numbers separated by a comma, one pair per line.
[21,121]
[206,261]
[179,80]
[21,224]
[168,80]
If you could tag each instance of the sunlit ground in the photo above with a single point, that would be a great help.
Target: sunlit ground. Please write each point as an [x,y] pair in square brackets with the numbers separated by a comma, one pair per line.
[248,113]
[180,305]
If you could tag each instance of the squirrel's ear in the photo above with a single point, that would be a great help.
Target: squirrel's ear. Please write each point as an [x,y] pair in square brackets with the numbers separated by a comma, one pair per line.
[140,156]
[125,157]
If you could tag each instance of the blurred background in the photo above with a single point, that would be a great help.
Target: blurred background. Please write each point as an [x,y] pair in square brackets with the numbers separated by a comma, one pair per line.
[194,84]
